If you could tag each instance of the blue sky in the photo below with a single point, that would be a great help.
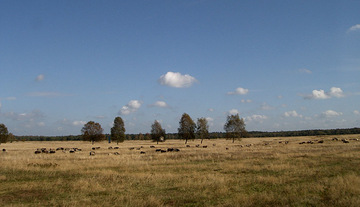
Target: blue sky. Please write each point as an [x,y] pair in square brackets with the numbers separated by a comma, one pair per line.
[282,65]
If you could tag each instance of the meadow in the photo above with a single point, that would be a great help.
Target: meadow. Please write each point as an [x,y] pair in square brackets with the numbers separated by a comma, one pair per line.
[250,172]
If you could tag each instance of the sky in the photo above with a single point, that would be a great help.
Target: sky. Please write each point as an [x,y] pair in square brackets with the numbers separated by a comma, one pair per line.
[281,65]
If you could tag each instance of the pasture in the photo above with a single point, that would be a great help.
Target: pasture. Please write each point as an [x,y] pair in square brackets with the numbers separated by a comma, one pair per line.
[250,172]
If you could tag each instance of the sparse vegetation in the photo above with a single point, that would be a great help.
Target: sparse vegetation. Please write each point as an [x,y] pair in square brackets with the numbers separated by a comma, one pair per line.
[252,172]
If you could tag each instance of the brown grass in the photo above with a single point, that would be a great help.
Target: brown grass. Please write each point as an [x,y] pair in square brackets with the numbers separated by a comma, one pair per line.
[276,174]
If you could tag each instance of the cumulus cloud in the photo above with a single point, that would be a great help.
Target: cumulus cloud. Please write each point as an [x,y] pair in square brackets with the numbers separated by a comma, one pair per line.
[177,80]
[239,91]
[40,77]
[292,114]
[131,107]
[336,92]
[233,112]
[356,112]
[321,94]
[304,70]
[161,104]
[354,28]
[256,118]
[330,113]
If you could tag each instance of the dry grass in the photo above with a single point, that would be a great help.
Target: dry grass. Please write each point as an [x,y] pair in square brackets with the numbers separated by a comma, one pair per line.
[276,174]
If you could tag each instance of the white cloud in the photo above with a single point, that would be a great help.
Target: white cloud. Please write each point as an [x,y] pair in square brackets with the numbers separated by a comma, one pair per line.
[161,104]
[177,80]
[336,92]
[131,107]
[356,112]
[246,101]
[256,118]
[233,112]
[211,110]
[321,94]
[354,28]
[330,113]
[239,91]
[209,119]
[292,114]
[78,123]
[304,70]
[40,77]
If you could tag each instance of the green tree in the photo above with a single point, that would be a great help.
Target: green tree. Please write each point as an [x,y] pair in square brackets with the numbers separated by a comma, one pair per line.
[118,130]
[187,127]
[202,128]
[157,132]
[93,132]
[4,133]
[235,127]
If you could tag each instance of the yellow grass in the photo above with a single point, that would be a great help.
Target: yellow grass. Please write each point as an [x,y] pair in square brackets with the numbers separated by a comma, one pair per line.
[276,174]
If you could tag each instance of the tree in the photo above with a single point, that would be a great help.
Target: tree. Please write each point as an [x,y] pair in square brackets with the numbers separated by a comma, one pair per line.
[4,133]
[187,127]
[157,132]
[118,130]
[93,132]
[235,127]
[202,129]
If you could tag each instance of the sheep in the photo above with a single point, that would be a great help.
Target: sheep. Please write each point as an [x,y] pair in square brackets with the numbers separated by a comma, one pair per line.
[109,147]
[158,150]
[4,150]
[116,147]
[170,149]
[204,146]
[142,152]
[92,153]
[187,145]
[37,152]
[152,146]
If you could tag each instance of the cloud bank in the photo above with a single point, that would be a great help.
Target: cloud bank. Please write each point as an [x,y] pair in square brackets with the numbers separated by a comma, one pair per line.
[177,80]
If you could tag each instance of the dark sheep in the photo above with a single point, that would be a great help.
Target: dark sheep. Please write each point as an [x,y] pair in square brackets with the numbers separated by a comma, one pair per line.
[116,147]
[131,148]
[204,146]
[109,147]
[158,150]
[170,149]
[142,152]
[72,151]
[93,148]
[152,146]
[37,152]
[176,150]
[92,153]
[162,151]
[197,145]
[321,141]
[52,151]
[4,150]
[187,145]
[227,148]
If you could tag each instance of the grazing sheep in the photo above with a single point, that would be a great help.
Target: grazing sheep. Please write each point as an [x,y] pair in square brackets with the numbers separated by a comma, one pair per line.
[4,150]
[227,148]
[116,147]
[162,151]
[152,146]
[345,141]
[137,148]
[321,141]
[197,145]
[205,146]
[302,142]
[37,152]
[187,145]
[158,150]
[170,149]
[177,150]
[131,148]
[72,151]
[93,148]
[52,151]
[116,153]
[142,152]
[335,139]
[109,147]
[92,153]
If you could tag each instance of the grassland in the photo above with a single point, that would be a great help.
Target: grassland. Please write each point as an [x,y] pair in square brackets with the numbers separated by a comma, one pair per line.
[268,173]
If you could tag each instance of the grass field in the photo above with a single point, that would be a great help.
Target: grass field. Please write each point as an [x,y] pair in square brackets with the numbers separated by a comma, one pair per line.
[267,173]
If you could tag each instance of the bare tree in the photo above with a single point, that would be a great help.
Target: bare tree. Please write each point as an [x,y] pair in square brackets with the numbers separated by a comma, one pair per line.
[118,130]
[187,127]
[93,132]
[202,129]
[235,127]
[157,132]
